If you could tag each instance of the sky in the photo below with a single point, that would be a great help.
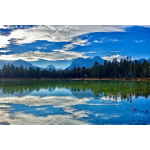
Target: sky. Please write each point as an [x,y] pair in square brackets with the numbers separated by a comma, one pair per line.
[59,45]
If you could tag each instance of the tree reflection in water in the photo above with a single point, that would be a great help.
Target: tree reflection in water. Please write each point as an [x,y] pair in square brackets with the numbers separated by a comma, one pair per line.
[116,90]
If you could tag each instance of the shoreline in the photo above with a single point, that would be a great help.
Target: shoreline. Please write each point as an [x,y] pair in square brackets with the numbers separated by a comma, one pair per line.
[82,79]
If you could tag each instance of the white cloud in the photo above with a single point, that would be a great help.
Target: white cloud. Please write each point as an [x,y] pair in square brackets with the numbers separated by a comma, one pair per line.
[114,40]
[7,26]
[106,39]
[81,42]
[36,55]
[57,54]
[41,47]
[114,51]
[57,33]
[54,33]
[91,52]
[3,27]
[5,51]
[145,26]
[138,41]
[14,27]
[96,41]
[4,41]
[75,43]
[49,44]
[113,56]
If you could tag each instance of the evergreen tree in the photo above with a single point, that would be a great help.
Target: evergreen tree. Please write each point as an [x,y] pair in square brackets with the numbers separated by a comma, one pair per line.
[146,69]
[37,72]
[4,71]
[0,73]
[123,69]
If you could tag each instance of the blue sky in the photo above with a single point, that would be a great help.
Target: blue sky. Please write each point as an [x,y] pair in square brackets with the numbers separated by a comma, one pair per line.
[60,45]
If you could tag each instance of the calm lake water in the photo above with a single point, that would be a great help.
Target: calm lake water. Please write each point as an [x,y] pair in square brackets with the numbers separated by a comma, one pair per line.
[74,102]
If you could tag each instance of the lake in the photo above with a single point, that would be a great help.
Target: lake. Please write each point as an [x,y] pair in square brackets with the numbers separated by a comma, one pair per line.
[60,102]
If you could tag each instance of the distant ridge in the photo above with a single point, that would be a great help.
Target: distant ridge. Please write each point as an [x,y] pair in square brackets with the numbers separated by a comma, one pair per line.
[50,66]
[87,63]
[148,60]
[25,64]
[53,68]
[142,60]
[79,62]
[60,69]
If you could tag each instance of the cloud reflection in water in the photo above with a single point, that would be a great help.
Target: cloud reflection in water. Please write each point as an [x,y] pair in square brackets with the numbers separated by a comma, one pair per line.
[57,105]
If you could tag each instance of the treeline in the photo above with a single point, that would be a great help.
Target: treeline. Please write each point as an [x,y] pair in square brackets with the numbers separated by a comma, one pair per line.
[111,69]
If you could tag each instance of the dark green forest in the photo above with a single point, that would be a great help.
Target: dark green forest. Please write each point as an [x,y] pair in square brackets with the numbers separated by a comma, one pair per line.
[111,69]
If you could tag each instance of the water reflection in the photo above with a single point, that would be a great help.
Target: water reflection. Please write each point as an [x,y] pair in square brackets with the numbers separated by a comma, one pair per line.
[57,109]
[74,102]
[80,89]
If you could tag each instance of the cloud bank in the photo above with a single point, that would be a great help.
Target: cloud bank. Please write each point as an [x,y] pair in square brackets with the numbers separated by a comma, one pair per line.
[57,54]
[113,57]
[36,55]
[54,33]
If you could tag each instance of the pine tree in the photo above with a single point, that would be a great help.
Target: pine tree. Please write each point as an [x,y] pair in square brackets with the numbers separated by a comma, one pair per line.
[121,68]
[37,72]
[149,70]
[4,71]
[0,73]
[21,71]
[96,70]
[130,74]
[105,68]
[124,68]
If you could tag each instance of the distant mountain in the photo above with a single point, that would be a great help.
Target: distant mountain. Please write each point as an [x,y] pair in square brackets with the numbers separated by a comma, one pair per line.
[34,67]
[88,63]
[79,62]
[148,60]
[98,59]
[50,66]
[53,68]
[25,64]
[142,60]
[59,69]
